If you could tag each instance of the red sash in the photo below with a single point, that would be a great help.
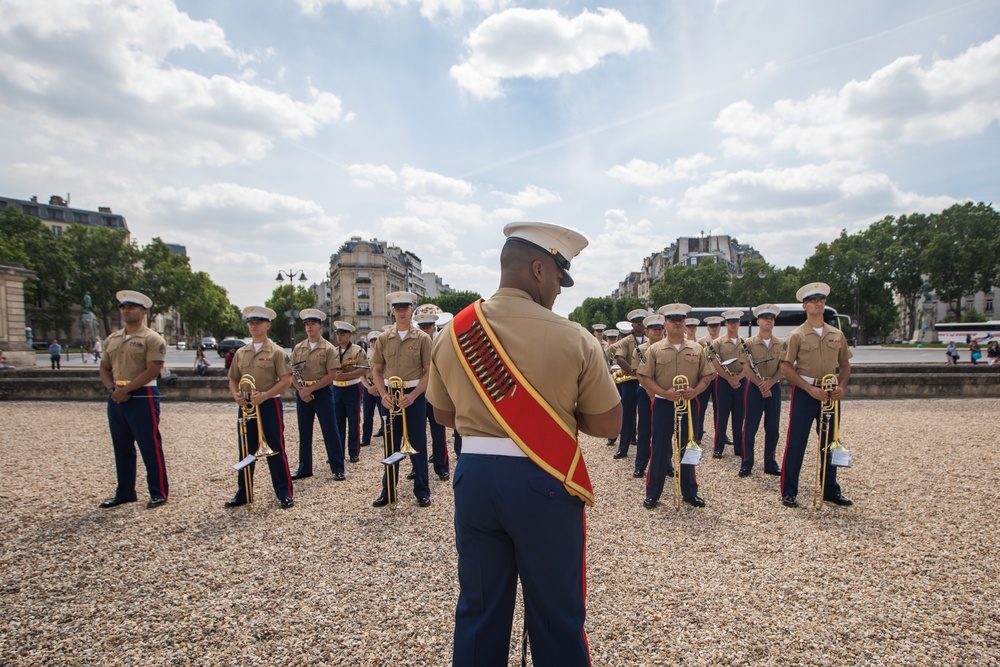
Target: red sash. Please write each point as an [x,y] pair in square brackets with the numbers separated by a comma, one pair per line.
[521,411]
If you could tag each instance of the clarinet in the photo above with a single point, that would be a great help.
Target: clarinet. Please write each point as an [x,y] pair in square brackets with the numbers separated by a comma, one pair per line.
[753,364]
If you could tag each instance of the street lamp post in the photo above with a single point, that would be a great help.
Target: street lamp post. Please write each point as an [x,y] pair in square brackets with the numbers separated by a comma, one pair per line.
[291,298]
[760,274]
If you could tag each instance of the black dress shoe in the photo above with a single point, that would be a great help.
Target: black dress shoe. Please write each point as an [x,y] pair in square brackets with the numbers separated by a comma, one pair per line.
[728,440]
[611,441]
[716,455]
[444,477]
[696,501]
[671,472]
[772,471]
[155,502]
[412,475]
[339,476]
[286,503]
[301,475]
[424,502]
[744,472]
[789,501]
[841,500]
[380,502]
[379,434]
[619,455]
[649,503]
[114,502]
[365,444]
[638,473]
[355,459]
[235,502]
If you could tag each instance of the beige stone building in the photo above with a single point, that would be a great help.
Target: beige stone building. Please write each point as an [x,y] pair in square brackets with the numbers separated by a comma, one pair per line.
[13,323]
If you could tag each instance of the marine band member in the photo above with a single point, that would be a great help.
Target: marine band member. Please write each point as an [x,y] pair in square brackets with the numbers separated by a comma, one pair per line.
[314,399]
[404,351]
[623,352]
[133,358]
[763,390]
[813,349]
[731,385]
[644,400]
[263,360]
[427,322]
[713,323]
[347,389]
[370,400]
[673,356]
[513,517]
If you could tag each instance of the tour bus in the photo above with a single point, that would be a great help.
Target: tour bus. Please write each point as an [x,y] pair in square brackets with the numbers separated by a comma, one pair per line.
[791,316]
[966,332]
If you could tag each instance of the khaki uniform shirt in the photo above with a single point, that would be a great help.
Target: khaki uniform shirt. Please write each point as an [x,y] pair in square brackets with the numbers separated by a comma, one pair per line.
[727,349]
[559,358]
[406,358]
[267,366]
[128,357]
[634,361]
[625,347]
[354,353]
[319,361]
[767,358]
[664,363]
[813,355]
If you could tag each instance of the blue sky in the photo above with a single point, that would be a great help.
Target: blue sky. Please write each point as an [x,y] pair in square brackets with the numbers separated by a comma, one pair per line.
[262,134]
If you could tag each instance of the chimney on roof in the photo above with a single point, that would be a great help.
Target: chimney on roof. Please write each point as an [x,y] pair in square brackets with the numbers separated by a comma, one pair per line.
[56,200]
[104,209]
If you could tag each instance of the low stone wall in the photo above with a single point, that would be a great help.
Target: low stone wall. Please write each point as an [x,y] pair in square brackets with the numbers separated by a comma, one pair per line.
[867,381]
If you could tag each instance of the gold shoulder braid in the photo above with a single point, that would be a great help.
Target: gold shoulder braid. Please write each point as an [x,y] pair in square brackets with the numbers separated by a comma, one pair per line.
[486,363]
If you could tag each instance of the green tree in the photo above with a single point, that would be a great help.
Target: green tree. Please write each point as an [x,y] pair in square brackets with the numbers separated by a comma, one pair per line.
[453,302]
[772,288]
[849,264]
[166,276]
[281,303]
[205,308]
[604,310]
[960,258]
[104,262]
[28,241]
[899,244]
[698,286]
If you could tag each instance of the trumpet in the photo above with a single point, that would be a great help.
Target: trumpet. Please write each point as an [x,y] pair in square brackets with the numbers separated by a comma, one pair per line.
[692,452]
[249,413]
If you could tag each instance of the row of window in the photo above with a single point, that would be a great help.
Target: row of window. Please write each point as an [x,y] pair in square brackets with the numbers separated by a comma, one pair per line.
[61,215]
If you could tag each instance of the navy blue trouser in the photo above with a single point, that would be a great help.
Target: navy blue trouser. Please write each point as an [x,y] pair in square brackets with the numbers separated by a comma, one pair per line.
[644,428]
[803,413]
[663,452]
[369,404]
[439,444]
[321,407]
[416,420]
[347,401]
[629,415]
[756,407]
[729,405]
[513,519]
[137,421]
[703,398]
[273,422]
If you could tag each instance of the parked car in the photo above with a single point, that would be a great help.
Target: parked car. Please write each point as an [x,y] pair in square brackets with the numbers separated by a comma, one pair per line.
[208,343]
[230,344]
[182,345]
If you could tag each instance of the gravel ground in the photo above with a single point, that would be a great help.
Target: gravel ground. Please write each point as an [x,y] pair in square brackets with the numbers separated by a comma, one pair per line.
[907,576]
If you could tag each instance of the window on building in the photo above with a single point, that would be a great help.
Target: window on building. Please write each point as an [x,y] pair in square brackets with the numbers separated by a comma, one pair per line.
[57,230]
[109,221]
[55,214]
[362,258]
[30,210]
[989,305]
[363,324]
[81,217]
[363,307]
[362,292]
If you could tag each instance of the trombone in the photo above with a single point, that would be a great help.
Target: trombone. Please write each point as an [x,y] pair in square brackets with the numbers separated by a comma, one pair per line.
[396,392]
[692,452]
[250,413]
[829,439]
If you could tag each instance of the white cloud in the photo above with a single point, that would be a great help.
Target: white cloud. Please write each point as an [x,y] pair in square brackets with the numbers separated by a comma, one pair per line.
[435,185]
[89,73]
[642,172]
[901,103]
[540,44]
[428,8]
[369,175]
[529,197]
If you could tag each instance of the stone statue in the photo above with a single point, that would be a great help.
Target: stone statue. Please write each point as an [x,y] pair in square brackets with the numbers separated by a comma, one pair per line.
[88,303]
[90,329]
